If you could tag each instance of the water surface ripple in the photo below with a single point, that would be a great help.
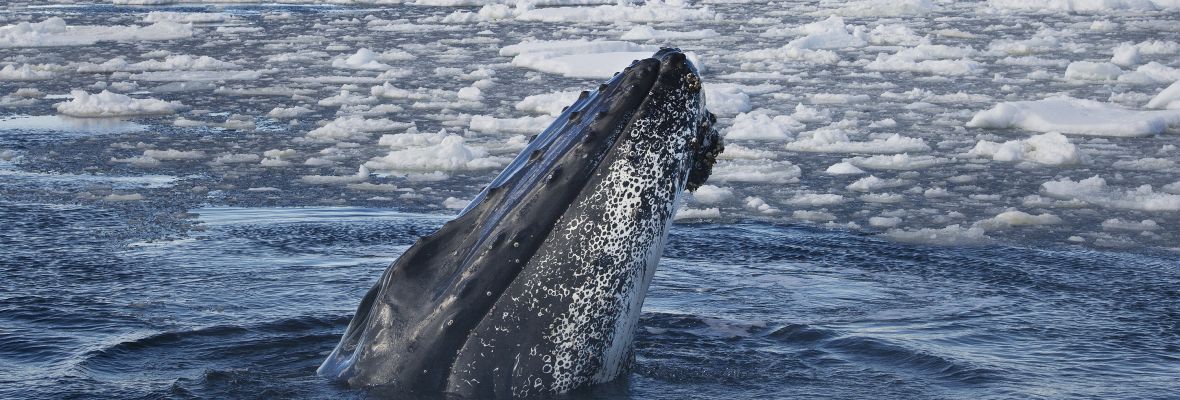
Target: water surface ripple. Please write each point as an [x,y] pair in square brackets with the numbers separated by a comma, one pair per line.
[253,301]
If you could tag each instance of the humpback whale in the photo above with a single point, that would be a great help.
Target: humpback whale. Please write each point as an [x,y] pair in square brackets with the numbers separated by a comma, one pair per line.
[536,286]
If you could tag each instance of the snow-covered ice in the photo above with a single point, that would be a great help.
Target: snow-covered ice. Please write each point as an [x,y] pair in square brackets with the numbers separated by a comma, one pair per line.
[107,104]
[54,31]
[1075,116]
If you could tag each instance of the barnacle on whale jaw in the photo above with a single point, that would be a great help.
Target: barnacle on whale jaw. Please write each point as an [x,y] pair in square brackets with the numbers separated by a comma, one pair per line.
[707,146]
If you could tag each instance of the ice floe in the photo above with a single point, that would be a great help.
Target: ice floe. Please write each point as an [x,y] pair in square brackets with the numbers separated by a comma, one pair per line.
[54,31]
[526,124]
[26,72]
[548,103]
[107,104]
[1075,116]
[710,194]
[577,58]
[1094,190]
[1096,6]
[353,127]
[1049,149]
[952,235]
[1169,98]
[836,140]
[450,154]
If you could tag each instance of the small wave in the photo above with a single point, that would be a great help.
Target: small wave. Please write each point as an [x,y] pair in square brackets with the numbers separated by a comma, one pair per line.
[799,333]
[147,352]
[33,348]
[667,324]
[904,359]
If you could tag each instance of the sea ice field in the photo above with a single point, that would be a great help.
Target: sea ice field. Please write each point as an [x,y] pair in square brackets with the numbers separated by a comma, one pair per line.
[918,199]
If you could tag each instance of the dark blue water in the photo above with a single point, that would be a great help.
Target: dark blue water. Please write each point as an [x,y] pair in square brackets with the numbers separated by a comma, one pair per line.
[251,300]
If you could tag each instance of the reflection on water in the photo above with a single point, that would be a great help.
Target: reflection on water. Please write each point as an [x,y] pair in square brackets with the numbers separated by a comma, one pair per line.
[61,123]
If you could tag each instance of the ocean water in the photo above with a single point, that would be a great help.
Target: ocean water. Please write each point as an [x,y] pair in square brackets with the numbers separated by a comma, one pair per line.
[218,251]
[250,304]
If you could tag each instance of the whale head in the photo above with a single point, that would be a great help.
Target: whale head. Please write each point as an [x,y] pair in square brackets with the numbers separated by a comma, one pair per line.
[537,285]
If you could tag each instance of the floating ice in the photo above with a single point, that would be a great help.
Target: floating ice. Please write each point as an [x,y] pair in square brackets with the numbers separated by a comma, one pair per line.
[953,235]
[579,58]
[644,32]
[830,33]
[548,103]
[1150,73]
[930,59]
[236,158]
[872,183]
[727,99]
[816,199]
[346,98]
[1168,98]
[884,222]
[1083,5]
[651,11]
[710,194]
[1092,71]
[194,76]
[816,44]
[880,8]
[362,59]
[844,168]
[1115,224]
[158,16]
[526,124]
[1094,190]
[734,151]
[1144,164]
[903,162]
[1075,116]
[412,138]
[452,203]
[450,154]
[107,104]
[759,205]
[813,216]
[836,140]
[26,72]
[362,174]
[1125,55]
[54,31]
[288,112]
[758,125]
[353,128]
[173,154]
[1011,218]
[171,62]
[1043,41]
[838,98]
[685,213]
[1050,149]
[759,171]
[123,197]
[471,93]
[277,158]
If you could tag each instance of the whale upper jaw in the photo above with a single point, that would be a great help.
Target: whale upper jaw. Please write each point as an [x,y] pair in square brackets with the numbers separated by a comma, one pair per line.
[411,326]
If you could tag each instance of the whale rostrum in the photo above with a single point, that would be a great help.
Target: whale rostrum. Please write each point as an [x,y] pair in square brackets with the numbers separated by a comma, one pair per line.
[536,287]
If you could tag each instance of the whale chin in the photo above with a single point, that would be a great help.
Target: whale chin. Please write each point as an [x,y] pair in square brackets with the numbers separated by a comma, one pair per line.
[536,287]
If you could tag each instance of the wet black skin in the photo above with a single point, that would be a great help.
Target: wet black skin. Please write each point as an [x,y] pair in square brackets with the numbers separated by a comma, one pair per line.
[411,326]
